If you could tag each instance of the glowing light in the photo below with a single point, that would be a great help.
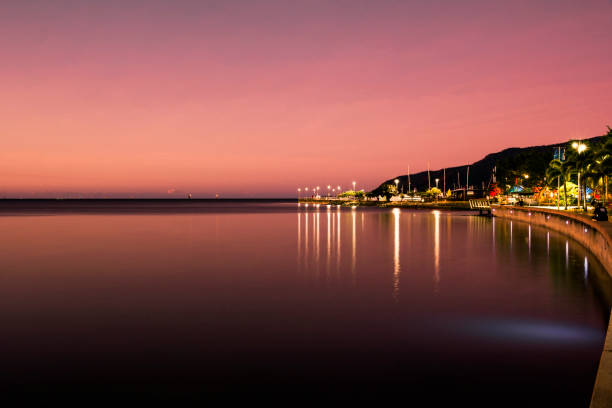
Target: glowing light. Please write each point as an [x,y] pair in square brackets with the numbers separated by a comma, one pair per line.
[436,214]
[396,254]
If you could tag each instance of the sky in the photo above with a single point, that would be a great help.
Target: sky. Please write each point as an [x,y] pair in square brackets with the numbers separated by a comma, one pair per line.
[257,98]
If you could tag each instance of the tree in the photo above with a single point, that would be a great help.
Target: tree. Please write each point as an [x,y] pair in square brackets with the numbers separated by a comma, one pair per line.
[602,167]
[581,158]
[350,193]
[433,192]
[561,171]
[389,190]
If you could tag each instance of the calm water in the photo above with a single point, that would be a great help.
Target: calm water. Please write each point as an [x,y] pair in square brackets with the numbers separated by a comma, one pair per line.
[273,297]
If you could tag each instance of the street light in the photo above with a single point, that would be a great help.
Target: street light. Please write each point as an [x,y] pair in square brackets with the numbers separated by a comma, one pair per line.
[299,189]
[580,147]
[354,185]
[328,187]
[437,182]
[396,181]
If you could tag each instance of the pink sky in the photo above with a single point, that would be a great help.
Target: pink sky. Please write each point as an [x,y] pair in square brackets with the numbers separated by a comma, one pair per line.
[257,98]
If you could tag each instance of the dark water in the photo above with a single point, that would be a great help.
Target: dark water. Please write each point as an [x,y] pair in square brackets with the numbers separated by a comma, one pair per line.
[272,297]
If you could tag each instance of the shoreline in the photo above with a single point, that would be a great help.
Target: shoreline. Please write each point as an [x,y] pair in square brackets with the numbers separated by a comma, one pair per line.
[439,205]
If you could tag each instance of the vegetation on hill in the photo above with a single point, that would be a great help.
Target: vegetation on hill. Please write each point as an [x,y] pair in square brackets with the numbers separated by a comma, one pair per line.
[529,167]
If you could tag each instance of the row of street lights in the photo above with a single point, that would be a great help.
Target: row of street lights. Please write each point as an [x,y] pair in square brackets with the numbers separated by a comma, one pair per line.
[316,189]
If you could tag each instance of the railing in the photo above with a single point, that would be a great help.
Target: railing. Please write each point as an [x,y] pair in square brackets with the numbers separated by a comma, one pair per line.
[480,205]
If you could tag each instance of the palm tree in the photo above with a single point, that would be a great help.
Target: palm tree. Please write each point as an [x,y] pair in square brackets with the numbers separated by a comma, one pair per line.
[562,171]
[581,159]
[602,166]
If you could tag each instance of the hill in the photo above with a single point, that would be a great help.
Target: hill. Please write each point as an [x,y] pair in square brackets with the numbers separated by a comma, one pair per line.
[511,163]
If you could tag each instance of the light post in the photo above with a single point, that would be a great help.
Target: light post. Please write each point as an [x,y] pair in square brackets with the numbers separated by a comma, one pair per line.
[299,189]
[354,185]
[580,147]
[328,187]
[437,182]
[317,192]
[396,181]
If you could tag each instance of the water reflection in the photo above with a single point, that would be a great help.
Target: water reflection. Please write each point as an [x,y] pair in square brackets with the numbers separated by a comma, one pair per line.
[241,285]
[391,232]
[328,258]
[529,239]
[338,246]
[354,254]
[318,228]
[493,230]
[436,249]
[396,253]
[306,234]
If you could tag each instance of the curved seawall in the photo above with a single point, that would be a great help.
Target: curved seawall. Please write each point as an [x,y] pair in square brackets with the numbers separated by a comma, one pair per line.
[597,238]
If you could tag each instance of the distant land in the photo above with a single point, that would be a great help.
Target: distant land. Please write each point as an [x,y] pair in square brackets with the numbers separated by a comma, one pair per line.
[511,163]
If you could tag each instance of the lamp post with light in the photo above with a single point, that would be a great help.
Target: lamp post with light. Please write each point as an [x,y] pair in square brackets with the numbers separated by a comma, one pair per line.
[580,148]
[299,190]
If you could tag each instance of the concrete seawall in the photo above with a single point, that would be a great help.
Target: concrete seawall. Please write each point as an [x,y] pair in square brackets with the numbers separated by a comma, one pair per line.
[597,237]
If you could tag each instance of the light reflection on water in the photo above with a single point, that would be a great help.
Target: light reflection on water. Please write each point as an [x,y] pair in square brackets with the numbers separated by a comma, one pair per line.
[370,305]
